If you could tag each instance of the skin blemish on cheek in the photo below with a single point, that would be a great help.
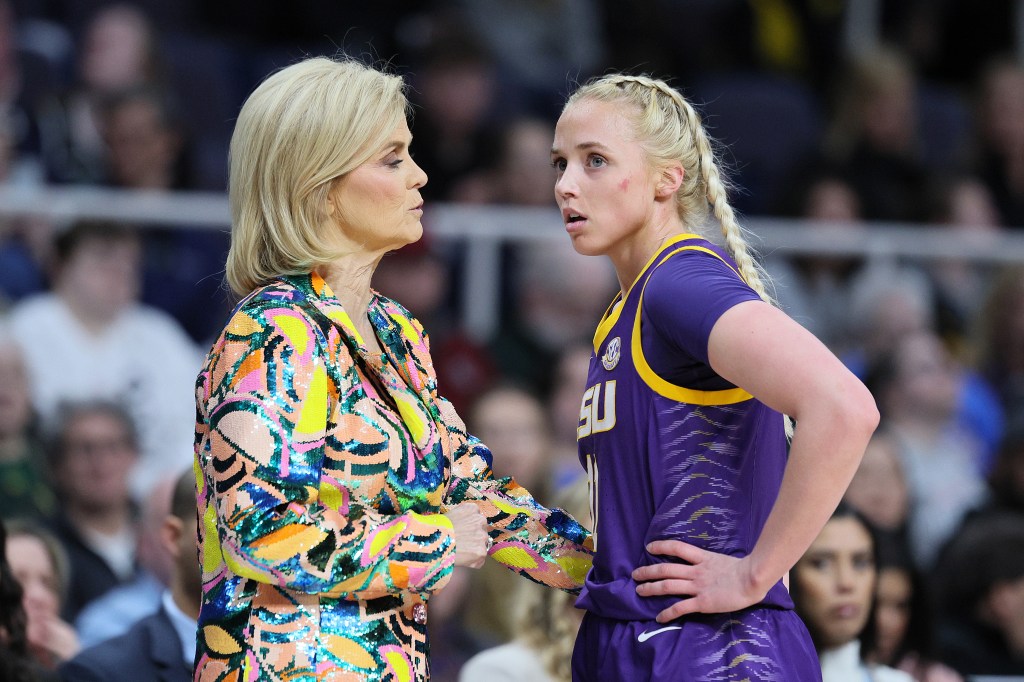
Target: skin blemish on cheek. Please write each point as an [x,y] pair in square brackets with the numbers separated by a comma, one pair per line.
[624,185]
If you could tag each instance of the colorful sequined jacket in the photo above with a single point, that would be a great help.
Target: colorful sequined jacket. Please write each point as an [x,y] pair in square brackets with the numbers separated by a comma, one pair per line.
[322,468]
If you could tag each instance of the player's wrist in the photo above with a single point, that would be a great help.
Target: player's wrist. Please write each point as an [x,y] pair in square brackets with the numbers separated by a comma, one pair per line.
[758,578]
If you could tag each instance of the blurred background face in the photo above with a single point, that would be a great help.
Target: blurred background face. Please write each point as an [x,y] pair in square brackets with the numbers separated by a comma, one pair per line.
[878,489]
[570,383]
[526,169]
[836,581]
[15,407]
[116,50]
[972,206]
[1003,108]
[142,148]
[889,115]
[832,200]
[103,275]
[34,570]
[927,377]
[458,94]
[97,460]
[892,610]
[512,424]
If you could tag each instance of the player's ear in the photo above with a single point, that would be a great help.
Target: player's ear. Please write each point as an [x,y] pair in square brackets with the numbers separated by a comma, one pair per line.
[670,179]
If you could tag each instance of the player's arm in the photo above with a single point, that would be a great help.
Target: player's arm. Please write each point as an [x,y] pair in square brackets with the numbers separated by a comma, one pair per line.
[759,348]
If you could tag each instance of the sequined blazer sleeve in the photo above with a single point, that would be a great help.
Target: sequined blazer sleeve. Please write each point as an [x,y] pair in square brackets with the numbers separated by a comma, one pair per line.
[545,545]
[264,400]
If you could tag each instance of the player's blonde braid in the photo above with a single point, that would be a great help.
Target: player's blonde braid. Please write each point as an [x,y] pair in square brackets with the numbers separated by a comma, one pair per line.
[735,237]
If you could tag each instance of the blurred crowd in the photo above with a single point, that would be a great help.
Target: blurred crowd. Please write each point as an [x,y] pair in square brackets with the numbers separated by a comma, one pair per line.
[837,113]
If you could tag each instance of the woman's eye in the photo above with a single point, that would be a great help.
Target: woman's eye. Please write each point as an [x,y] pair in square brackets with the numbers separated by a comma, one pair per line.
[395,163]
[597,161]
[558,164]
[864,563]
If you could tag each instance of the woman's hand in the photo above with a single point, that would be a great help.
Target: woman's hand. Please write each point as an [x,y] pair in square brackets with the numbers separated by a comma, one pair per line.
[471,539]
[51,640]
[713,583]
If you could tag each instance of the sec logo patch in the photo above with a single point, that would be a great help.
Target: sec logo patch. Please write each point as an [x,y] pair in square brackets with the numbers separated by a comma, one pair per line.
[611,354]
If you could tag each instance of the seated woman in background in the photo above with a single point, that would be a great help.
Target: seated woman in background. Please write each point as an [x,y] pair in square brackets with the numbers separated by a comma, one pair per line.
[38,564]
[548,621]
[833,588]
[903,619]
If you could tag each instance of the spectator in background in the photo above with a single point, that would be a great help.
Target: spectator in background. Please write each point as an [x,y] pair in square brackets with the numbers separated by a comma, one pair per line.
[874,136]
[570,381]
[528,40]
[118,51]
[999,148]
[90,338]
[41,568]
[111,614]
[419,275]
[513,423]
[182,265]
[1006,479]
[966,207]
[456,88]
[1001,338]
[162,645]
[452,640]
[979,589]
[143,139]
[903,617]
[916,385]
[94,449]
[815,289]
[879,491]
[522,174]
[16,663]
[889,302]
[545,624]
[24,241]
[558,297]
[25,79]
[25,488]
[833,588]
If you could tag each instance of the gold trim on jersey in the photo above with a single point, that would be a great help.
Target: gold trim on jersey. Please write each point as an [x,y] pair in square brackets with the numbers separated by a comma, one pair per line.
[681,394]
[611,315]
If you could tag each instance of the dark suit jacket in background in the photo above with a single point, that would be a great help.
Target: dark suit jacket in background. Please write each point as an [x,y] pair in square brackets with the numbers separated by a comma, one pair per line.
[149,651]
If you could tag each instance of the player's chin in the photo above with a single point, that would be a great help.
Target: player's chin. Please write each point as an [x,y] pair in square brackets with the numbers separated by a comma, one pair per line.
[586,246]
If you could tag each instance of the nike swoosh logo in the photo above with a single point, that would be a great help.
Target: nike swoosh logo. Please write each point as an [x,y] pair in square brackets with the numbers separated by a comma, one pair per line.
[644,636]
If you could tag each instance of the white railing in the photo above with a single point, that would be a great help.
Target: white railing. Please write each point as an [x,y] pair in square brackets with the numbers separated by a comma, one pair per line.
[484,229]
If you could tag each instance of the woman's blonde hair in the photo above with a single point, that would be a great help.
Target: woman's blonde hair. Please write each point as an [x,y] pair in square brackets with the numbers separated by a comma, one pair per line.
[301,129]
[669,130]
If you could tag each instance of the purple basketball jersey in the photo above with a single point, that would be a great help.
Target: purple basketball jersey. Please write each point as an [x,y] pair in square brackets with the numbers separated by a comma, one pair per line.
[671,461]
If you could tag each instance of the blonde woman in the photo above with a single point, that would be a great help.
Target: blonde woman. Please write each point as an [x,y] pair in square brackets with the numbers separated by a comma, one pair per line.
[337,488]
[546,626]
[681,424]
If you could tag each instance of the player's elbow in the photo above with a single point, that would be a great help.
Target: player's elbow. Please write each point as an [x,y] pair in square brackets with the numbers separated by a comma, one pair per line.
[854,413]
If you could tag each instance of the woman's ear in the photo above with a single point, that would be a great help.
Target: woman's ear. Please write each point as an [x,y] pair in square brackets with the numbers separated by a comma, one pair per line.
[330,204]
[669,181]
